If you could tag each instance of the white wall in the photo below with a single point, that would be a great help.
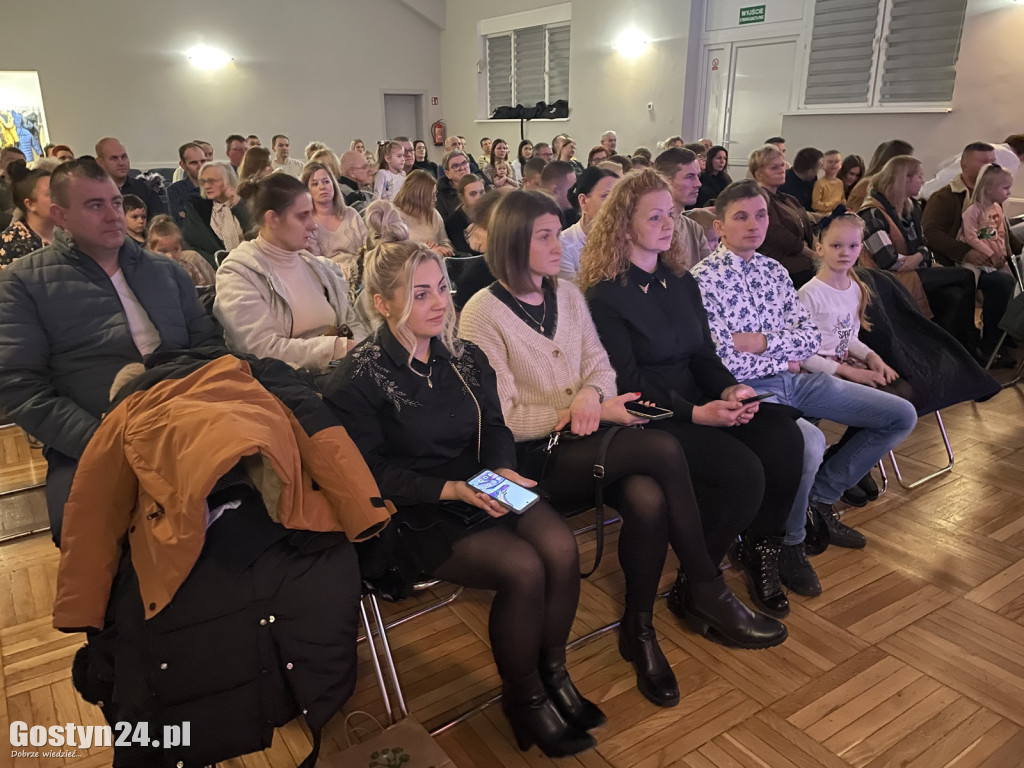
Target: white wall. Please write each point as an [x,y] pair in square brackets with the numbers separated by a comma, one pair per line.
[309,69]
[987,103]
[606,91]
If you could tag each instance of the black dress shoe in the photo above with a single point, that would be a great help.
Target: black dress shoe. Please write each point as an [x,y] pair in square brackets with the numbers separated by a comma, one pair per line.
[576,710]
[758,560]
[536,720]
[838,534]
[796,572]
[712,610]
[638,644]
[869,486]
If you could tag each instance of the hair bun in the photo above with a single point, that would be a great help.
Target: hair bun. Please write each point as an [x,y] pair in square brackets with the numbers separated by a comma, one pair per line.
[248,188]
[385,223]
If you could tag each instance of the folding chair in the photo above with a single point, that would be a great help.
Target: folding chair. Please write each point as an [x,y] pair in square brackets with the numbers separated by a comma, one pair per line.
[921,481]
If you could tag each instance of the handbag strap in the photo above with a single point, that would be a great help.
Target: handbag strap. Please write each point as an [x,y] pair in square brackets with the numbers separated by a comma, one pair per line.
[602,452]
[479,410]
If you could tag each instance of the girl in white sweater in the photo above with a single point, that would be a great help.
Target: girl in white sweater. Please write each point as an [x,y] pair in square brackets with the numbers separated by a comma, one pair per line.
[837,301]
[553,374]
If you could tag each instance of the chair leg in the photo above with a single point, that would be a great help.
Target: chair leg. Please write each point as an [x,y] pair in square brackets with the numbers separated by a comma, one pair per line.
[885,478]
[389,660]
[933,475]
[995,351]
[374,657]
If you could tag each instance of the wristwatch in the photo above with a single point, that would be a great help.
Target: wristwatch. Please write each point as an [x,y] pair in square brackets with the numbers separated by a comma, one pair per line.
[600,392]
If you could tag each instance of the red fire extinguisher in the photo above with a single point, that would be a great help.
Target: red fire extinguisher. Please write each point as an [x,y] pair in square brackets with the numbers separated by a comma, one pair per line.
[438,133]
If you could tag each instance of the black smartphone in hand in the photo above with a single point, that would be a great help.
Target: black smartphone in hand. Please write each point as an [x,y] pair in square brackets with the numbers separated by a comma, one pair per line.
[756,398]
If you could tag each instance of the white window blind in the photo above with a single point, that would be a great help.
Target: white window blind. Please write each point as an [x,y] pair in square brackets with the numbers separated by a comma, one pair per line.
[921,50]
[883,52]
[528,65]
[842,50]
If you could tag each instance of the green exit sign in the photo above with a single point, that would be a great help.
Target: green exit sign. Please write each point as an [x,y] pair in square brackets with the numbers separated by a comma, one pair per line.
[753,14]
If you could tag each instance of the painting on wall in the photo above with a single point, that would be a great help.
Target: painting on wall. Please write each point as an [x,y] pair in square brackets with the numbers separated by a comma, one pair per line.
[22,118]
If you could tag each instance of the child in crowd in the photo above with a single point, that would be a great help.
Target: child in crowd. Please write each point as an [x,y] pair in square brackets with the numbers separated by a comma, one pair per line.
[984,227]
[828,190]
[135,218]
[502,178]
[837,300]
[165,238]
[390,175]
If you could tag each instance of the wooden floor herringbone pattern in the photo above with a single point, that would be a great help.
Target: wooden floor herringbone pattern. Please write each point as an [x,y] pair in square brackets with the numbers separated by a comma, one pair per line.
[913,655]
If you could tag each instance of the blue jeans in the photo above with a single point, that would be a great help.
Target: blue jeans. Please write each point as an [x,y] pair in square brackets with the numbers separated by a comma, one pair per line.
[885,420]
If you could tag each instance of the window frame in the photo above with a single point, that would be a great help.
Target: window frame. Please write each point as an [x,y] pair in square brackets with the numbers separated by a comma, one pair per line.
[548,18]
[874,103]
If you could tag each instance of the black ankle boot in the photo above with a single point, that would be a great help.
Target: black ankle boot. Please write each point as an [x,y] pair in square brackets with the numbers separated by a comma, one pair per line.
[638,644]
[839,534]
[758,559]
[575,709]
[869,486]
[712,610]
[536,720]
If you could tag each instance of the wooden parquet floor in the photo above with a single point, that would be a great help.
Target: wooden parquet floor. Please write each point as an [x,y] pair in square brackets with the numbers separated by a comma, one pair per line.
[913,656]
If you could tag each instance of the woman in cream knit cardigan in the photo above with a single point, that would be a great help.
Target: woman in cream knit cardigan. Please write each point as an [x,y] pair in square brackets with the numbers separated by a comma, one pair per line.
[554,374]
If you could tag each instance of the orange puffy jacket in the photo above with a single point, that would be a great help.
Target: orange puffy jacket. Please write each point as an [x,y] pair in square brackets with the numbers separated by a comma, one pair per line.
[149,467]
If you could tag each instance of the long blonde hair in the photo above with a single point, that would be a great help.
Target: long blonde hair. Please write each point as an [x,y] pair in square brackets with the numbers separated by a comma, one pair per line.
[866,295]
[606,254]
[891,182]
[392,266]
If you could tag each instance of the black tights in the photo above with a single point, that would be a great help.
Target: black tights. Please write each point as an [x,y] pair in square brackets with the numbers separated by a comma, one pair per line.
[535,574]
[648,482]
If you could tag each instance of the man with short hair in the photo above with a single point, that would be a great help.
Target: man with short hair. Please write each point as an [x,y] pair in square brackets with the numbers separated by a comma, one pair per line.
[543,151]
[207,147]
[1008,154]
[942,221]
[763,332]
[234,150]
[75,312]
[455,164]
[408,153]
[681,169]
[557,179]
[356,178]
[190,159]
[609,140]
[113,158]
[778,142]
[252,140]
[533,169]
[485,150]
[282,161]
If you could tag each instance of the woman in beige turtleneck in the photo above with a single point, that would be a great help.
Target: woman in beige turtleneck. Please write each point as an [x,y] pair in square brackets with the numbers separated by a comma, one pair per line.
[274,298]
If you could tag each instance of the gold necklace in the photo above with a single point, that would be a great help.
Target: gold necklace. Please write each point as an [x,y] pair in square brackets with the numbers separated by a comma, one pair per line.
[528,316]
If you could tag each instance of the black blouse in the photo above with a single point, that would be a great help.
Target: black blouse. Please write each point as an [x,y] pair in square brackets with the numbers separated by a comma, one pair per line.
[711,186]
[655,330]
[416,432]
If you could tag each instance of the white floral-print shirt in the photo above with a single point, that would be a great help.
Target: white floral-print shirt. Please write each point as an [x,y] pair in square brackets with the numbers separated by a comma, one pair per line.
[754,297]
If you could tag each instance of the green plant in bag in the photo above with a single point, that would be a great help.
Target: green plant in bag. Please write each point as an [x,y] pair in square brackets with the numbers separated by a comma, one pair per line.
[390,758]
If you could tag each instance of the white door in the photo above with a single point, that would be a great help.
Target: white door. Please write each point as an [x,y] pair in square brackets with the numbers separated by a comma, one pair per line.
[748,88]
[402,115]
[762,81]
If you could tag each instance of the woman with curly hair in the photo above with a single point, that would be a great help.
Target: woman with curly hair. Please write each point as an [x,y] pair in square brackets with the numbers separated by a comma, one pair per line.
[745,459]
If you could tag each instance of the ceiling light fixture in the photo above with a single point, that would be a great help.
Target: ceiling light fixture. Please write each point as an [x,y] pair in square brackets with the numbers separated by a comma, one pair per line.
[207,57]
